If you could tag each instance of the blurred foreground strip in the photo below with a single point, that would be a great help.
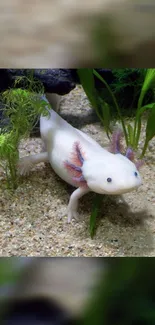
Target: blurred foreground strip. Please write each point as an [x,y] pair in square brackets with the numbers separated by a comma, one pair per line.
[80,291]
[47,288]
[71,33]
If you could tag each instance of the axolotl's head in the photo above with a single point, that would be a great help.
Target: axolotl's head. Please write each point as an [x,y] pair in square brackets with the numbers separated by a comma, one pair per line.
[111,174]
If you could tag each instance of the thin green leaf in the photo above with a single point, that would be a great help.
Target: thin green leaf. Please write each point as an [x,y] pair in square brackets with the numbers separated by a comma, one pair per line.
[87,80]
[88,83]
[130,134]
[139,113]
[115,102]
[105,108]
[150,129]
[94,213]
[143,109]
[149,81]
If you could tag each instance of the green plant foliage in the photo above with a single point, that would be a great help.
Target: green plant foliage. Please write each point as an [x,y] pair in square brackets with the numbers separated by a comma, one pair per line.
[101,107]
[87,79]
[149,82]
[8,271]
[150,129]
[126,86]
[22,107]
[114,100]
[94,213]
[128,81]
[125,295]
[132,134]
[9,157]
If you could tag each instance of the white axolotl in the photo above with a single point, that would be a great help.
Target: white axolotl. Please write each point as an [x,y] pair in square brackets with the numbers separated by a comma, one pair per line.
[82,162]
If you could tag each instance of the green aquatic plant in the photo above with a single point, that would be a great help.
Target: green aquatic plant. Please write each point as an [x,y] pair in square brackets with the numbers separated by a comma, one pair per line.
[125,294]
[9,157]
[101,107]
[132,134]
[126,86]
[94,213]
[22,107]
[149,82]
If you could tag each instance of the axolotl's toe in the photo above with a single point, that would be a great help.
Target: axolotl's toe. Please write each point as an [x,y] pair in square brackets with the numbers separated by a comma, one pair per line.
[72,214]
[24,166]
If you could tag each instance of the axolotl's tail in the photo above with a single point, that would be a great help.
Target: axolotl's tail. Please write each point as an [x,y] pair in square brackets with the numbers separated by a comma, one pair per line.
[53,122]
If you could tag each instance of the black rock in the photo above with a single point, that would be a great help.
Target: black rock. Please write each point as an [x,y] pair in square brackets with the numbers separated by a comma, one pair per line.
[59,81]
[105,73]
[5,79]
[36,312]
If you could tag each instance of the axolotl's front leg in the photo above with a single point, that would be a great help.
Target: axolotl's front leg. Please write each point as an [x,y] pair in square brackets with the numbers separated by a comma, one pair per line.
[73,202]
[26,163]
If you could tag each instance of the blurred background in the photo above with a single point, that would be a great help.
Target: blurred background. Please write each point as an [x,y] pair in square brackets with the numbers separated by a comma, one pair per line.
[71,34]
[109,291]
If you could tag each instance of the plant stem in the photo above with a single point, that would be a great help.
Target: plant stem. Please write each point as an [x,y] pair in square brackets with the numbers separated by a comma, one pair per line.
[115,102]
[12,174]
[144,149]
[137,128]
[138,134]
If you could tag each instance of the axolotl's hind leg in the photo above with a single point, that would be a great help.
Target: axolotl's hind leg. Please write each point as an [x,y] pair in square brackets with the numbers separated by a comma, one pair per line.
[26,163]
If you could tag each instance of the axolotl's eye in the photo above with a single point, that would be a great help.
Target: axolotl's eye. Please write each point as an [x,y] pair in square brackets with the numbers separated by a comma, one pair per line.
[136,174]
[109,179]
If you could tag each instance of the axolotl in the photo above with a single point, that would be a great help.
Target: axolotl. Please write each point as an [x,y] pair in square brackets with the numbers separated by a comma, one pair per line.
[82,162]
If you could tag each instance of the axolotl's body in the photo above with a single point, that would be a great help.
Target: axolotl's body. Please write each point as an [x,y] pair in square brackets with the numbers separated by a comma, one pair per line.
[82,162]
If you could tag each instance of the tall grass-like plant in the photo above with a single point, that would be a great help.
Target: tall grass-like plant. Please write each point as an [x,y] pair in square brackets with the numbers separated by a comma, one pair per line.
[132,134]
[150,129]
[114,100]
[126,86]
[94,213]
[22,108]
[149,82]
[101,107]
[125,294]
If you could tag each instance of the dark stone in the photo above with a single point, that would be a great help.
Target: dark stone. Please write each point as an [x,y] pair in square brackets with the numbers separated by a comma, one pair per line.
[39,311]
[105,73]
[59,81]
[5,79]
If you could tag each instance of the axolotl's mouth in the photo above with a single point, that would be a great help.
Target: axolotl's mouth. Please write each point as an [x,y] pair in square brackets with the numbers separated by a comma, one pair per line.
[115,190]
[124,191]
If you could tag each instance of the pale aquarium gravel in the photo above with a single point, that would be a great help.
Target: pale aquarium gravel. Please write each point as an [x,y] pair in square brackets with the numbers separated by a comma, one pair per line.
[31,218]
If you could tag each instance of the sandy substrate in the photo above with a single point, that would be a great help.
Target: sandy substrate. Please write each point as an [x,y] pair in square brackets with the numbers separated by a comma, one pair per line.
[31,222]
